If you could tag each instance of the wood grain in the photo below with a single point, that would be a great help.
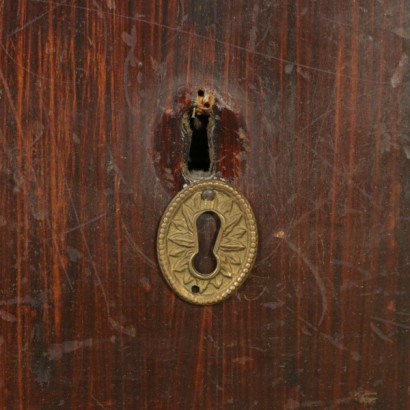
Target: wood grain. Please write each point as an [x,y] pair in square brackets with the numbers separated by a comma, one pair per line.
[91,93]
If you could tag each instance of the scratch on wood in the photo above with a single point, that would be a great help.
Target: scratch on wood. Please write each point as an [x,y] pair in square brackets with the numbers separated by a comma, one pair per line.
[315,272]
[89,222]
[339,345]
[379,333]
[97,275]
[391,322]
[30,22]
[98,403]
[140,19]
[256,297]
[131,41]
[135,247]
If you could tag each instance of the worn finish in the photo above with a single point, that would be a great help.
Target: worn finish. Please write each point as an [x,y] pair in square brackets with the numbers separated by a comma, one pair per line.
[320,91]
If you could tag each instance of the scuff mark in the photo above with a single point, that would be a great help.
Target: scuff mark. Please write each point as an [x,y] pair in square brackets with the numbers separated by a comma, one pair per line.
[113,167]
[310,404]
[76,139]
[73,254]
[39,209]
[402,32]
[259,349]
[397,77]
[276,382]
[366,397]
[273,305]
[6,316]
[127,330]
[56,351]
[344,400]
[306,331]
[253,31]
[27,300]
[279,234]
[355,356]
[131,41]
[292,404]
[405,144]
[160,69]
[289,68]
[242,360]
[304,73]
[111,4]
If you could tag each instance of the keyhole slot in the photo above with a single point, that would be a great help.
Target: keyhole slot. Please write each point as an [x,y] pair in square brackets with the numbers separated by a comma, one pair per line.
[198,131]
[208,225]
[199,159]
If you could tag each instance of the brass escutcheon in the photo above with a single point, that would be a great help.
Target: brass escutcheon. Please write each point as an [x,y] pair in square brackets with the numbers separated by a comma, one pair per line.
[235,246]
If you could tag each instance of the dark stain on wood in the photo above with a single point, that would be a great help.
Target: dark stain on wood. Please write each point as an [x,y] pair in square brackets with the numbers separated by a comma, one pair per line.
[171,146]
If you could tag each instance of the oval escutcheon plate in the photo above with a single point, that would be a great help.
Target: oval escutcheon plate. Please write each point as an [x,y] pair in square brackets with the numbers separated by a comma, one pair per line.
[234,249]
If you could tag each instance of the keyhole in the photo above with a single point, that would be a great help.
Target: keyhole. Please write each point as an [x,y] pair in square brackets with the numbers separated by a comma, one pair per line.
[199,150]
[208,225]
[198,125]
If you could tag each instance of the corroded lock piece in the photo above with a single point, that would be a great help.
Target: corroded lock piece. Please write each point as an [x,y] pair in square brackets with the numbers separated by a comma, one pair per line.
[234,248]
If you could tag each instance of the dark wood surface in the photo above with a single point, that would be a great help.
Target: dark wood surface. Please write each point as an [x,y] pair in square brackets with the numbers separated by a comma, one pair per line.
[314,101]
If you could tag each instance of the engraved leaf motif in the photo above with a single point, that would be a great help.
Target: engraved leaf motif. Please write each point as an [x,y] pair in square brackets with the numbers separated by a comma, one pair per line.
[177,252]
[234,259]
[179,225]
[233,222]
[202,284]
[189,216]
[231,245]
[226,207]
[216,202]
[182,239]
[187,278]
[226,269]
[223,259]
[197,201]
[180,265]
[217,282]
[240,233]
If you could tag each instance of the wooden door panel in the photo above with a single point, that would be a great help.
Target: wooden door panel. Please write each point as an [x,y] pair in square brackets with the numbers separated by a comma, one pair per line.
[313,99]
